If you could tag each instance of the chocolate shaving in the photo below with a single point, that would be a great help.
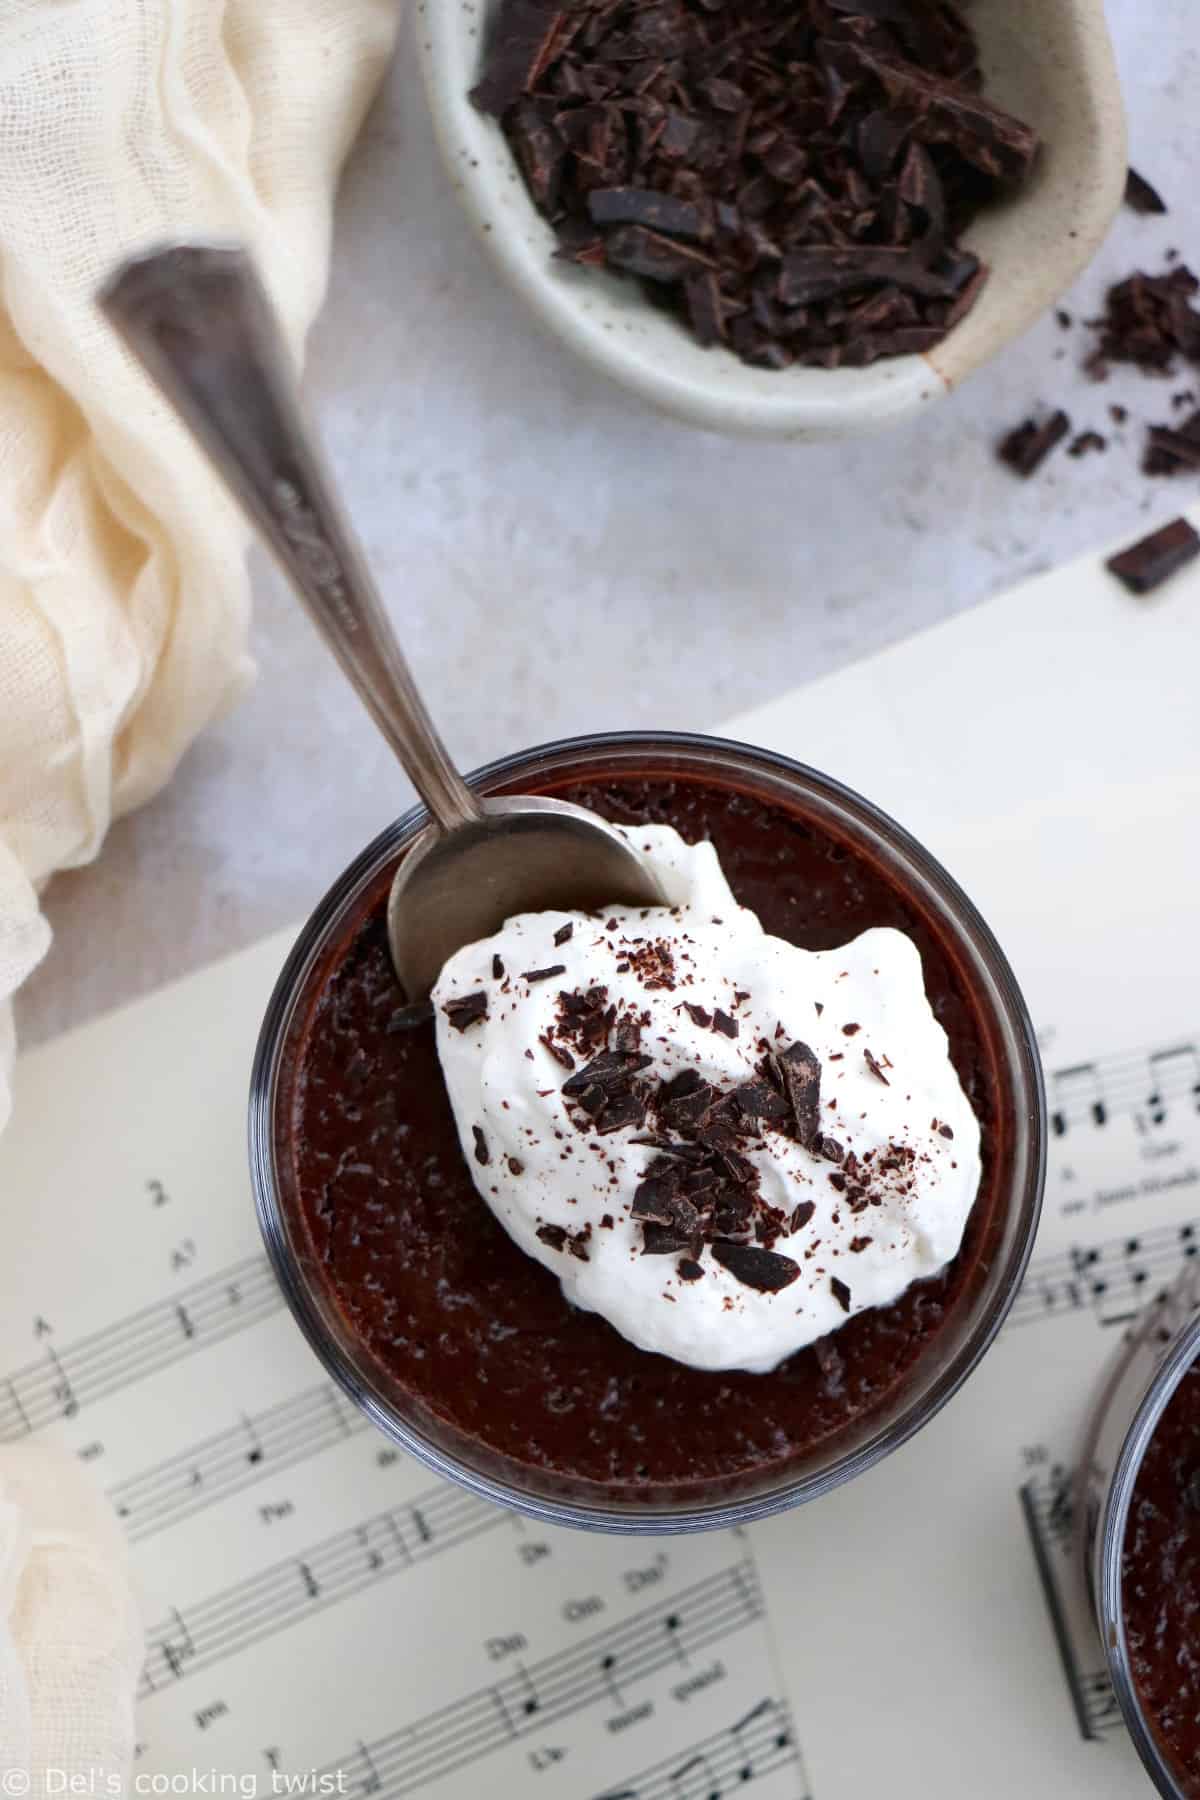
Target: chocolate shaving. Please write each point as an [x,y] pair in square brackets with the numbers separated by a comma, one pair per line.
[1172,449]
[564,934]
[467,1010]
[497,969]
[1026,448]
[559,1052]
[532,975]
[764,1270]
[482,1154]
[1146,565]
[841,1293]
[407,1018]
[876,1070]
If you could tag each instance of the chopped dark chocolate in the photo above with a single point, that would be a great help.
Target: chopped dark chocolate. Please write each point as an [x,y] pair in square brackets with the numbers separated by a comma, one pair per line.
[497,969]
[564,934]
[859,1244]
[1140,196]
[799,1073]
[1026,448]
[764,1270]
[1149,321]
[874,1065]
[1173,449]
[1085,443]
[559,1052]
[697,1015]
[515,1165]
[790,181]
[482,1154]
[1146,565]
[553,1235]
[689,1270]
[467,1010]
[724,1024]
[841,1292]
[801,1215]
[407,1018]
[532,975]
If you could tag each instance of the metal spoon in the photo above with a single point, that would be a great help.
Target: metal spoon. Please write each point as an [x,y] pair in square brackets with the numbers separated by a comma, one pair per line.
[198,319]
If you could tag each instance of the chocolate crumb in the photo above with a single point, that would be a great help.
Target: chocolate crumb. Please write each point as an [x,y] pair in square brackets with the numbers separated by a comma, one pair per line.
[851,1030]
[564,934]
[532,975]
[497,969]
[482,1154]
[1146,565]
[841,1293]
[1085,443]
[607,1222]
[1118,414]
[945,1131]
[1140,196]
[515,1165]
[859,1244]
[553,1235]
[468,1010]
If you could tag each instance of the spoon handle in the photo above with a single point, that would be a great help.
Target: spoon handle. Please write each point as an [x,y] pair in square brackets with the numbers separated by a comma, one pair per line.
[198,319]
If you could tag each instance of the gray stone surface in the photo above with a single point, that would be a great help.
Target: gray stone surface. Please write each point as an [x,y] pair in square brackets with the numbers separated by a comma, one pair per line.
[560,560]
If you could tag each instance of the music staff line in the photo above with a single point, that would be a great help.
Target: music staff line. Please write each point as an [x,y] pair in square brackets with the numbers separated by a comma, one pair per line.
[1116,1279]
[259,1444]
[59,1382]
[601,1668]
[298,1587]
[1146,1085]
[751,1748]
[1047,1506]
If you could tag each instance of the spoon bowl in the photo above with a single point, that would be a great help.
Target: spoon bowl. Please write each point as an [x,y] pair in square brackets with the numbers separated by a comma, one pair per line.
[524,854]
[199,321]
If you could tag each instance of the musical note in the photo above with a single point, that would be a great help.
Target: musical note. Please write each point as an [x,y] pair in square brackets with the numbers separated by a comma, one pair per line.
[59,1383]
[716,1608]
[530,1703]
[607,1664]
[1115,1279]
[1174,1074]
[280,1596]
[370,1781]
[185,1322]
[1142,1085]
[746,1751]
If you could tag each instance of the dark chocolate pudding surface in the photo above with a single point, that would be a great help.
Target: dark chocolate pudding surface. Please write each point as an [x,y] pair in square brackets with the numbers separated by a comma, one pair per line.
[1161,1583]
[479,1334]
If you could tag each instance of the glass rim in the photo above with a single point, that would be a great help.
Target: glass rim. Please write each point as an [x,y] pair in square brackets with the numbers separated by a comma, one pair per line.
[632,1518]
[1114,1525]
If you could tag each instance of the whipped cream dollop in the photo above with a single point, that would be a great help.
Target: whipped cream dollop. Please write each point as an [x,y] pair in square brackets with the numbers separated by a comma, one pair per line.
[722,1143]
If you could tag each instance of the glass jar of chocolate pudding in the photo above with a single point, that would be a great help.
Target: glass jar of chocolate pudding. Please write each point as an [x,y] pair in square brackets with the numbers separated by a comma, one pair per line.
[1141,1513]
[462,1348]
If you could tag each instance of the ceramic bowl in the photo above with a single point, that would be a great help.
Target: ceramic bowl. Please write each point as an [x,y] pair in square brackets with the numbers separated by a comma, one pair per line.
[1049,61]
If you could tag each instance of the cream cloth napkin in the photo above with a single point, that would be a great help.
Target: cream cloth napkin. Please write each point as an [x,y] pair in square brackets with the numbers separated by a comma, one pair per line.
[123,592]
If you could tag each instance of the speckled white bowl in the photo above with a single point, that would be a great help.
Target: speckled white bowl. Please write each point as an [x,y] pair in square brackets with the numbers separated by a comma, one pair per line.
[1050,61]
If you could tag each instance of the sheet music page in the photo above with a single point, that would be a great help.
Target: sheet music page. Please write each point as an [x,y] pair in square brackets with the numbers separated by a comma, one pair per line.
[320,1611]
[1047,748]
